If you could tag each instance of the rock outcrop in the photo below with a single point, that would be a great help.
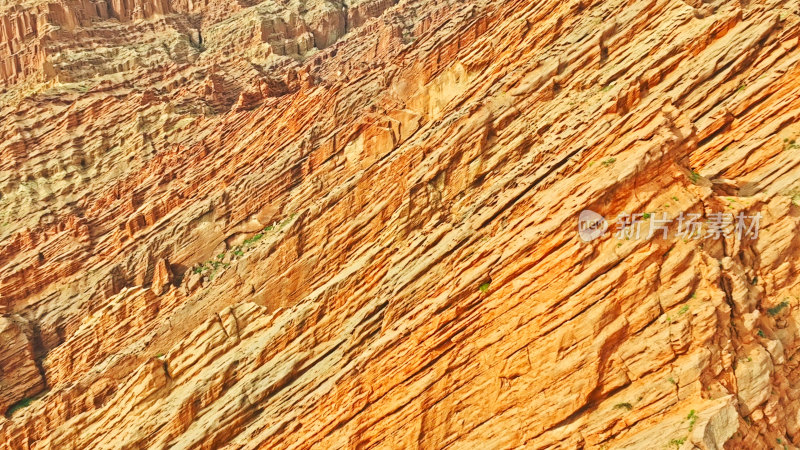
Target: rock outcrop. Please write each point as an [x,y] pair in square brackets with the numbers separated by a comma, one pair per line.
[21,376]
[347,224]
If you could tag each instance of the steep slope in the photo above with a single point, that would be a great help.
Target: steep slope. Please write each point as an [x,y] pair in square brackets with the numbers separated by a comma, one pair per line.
[370,240]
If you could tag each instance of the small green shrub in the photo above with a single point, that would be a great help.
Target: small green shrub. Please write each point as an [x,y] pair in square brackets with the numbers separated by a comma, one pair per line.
[609,161]
[485,287]
[626,406]
[676,442]
[24,403]
[692,418]
[211,267]
[253,239]
[795,195]
[777,308]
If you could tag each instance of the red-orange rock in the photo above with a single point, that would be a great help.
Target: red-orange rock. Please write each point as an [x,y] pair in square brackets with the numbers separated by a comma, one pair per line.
[20,375]
[369,210]
[162,277]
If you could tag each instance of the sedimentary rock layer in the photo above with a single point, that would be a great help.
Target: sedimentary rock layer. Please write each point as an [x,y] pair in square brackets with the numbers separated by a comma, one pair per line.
[353,224]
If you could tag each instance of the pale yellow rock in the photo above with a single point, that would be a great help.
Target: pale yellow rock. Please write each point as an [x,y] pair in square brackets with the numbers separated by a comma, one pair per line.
[371,210]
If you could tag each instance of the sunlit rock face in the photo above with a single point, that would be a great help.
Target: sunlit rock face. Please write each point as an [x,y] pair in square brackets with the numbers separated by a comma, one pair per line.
[363,224]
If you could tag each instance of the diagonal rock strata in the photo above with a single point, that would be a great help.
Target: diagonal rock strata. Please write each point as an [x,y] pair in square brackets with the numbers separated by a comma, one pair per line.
[353,225]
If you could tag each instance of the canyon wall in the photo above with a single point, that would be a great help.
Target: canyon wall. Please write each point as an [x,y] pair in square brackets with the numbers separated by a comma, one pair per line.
[353,224]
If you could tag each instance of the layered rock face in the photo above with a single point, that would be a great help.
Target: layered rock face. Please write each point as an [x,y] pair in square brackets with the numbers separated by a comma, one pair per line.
[353,224]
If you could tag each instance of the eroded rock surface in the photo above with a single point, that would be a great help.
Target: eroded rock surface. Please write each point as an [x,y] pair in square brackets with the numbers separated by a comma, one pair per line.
[348,224]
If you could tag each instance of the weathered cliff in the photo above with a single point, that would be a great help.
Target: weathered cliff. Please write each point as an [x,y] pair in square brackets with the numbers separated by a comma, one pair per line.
[353,224]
